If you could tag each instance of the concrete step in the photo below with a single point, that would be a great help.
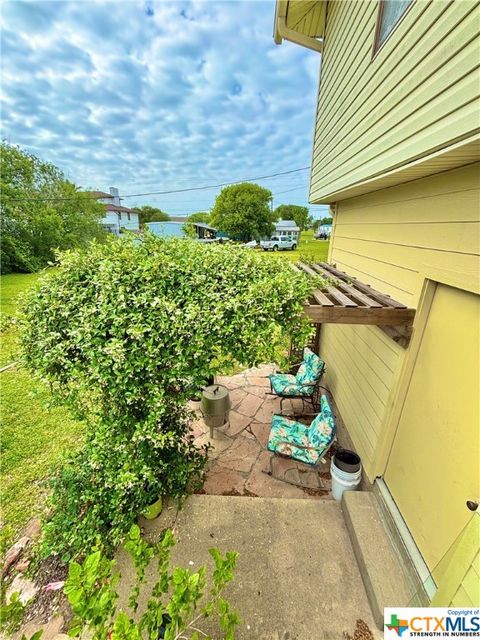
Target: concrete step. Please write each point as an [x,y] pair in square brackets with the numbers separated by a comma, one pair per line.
[388,581]
[296,576]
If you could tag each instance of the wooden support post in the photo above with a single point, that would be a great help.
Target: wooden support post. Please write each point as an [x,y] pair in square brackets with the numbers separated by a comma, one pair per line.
[316,344]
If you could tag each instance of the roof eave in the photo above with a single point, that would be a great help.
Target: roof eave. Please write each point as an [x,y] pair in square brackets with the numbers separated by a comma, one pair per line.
[297,31]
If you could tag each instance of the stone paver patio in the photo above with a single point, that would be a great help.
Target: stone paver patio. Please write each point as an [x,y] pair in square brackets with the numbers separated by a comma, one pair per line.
[239,457]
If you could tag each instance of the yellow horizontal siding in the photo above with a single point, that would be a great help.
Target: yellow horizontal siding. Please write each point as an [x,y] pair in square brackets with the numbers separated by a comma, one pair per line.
[471,586]
[419,93]
[360,384]
[433,66]
[468,593]
[390,239]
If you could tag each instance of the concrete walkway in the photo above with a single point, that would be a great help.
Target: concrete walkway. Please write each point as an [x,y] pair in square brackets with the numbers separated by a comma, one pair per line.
[238,457]
[296,578]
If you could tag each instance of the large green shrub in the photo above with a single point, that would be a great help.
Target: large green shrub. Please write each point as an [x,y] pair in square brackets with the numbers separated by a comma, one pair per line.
[125,333]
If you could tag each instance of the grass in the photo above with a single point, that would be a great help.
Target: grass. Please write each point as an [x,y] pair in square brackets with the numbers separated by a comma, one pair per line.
[308,249]
[12,285]
[34,435]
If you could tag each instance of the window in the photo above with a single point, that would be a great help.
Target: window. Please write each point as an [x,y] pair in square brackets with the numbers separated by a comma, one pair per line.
[128,214]
[390,12]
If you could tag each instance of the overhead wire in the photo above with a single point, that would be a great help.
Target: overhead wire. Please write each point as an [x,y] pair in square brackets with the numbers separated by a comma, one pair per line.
[167,192]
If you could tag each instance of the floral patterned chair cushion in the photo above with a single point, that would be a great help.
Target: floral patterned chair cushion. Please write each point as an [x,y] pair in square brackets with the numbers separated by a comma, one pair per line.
[288,437]
[310,371]
[284,384]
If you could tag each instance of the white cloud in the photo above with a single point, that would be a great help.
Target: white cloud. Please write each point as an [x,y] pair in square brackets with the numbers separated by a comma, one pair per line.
[159,95]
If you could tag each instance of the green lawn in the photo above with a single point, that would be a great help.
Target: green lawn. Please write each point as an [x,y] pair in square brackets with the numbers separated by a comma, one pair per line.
[12,285]
[308,248]
[33,436]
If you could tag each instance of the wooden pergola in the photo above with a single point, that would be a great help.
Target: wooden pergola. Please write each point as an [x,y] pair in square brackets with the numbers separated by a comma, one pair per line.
[346,300]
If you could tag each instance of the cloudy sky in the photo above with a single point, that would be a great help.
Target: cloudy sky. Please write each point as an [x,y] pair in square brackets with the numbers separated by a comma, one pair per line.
[155,96]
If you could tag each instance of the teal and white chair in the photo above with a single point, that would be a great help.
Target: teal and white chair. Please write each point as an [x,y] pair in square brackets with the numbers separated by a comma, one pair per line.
[305,385]
[305,444]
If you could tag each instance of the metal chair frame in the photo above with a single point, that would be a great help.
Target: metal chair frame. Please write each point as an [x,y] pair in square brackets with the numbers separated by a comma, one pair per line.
[312,398]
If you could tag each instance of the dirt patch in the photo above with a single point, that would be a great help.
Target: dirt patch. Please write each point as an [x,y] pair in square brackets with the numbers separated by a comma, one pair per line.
[48,604]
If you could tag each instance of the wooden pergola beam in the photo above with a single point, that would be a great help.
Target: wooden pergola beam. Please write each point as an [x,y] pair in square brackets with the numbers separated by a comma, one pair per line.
[359,315]
[346,300]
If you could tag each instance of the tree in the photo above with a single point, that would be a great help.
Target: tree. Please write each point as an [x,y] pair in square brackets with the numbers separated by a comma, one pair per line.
[151,214]
[41,212]
[243,212]
[294,212]
[200,216]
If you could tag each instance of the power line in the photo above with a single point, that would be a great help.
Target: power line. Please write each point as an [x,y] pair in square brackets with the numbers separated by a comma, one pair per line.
[177,202]
[161,193]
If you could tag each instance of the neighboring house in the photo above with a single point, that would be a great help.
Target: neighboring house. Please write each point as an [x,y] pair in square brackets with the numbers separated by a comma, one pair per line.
[117,218]
[175,228]
[396,155]
[287,228]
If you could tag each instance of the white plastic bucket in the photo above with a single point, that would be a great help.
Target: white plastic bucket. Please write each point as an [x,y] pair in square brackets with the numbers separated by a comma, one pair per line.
[343,481]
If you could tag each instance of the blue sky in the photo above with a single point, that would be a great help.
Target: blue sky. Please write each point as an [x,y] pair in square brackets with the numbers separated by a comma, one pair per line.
[153,96]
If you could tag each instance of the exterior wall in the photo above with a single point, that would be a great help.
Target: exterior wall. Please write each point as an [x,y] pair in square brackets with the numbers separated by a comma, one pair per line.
[458,575]
[468,592]
[110,220]
[417,95]
[393,239]
[130,225]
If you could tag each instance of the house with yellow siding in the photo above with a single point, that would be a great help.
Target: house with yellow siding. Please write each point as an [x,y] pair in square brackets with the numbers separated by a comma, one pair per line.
[396,152]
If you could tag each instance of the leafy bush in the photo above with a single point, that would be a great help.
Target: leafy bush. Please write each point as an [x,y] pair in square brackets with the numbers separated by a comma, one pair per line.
[91,591]
[125,333]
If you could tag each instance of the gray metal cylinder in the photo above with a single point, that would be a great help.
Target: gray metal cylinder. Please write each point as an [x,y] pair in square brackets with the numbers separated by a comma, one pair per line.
[215,400]
[215,406]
